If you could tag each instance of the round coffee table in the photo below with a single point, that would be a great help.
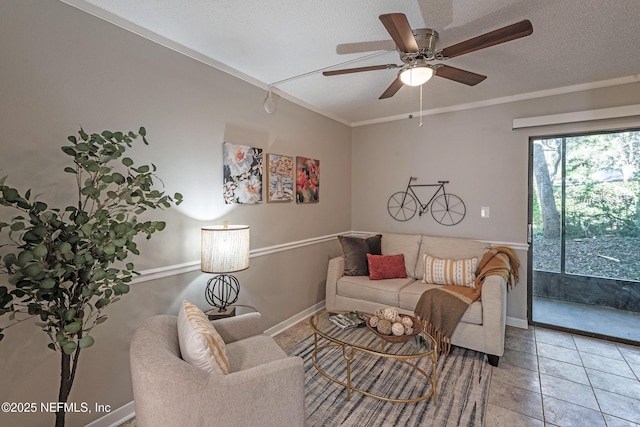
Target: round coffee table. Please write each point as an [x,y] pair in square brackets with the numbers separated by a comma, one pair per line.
[350,341]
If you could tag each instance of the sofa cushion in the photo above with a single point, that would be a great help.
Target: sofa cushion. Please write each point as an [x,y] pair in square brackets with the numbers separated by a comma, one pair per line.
[386,267]
[448,247]
[459,272]
[407,244]
[409,296]
[243,354]
[200,344]
[355,250]
[384,292]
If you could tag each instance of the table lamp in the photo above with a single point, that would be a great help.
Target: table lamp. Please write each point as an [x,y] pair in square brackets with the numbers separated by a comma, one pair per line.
[224,249]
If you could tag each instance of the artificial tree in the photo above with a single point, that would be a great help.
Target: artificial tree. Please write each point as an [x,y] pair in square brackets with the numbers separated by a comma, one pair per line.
[65,265]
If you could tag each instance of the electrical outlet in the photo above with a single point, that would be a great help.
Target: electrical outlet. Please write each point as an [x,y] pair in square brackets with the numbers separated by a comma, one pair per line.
[485,212]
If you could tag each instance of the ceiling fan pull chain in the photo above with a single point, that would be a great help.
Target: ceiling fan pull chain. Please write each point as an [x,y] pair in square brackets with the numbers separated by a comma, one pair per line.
[420,124]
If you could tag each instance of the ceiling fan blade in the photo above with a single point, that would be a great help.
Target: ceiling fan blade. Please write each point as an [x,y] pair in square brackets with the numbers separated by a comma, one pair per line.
[359,69]
[347,48]
[458,75]
[492,38]
[392,89]
[400,31]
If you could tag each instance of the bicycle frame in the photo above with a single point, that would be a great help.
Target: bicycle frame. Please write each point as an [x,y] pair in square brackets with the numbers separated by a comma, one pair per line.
[423,208]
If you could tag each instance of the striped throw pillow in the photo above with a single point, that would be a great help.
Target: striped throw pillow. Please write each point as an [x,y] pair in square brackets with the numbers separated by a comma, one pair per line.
[200,344]
[460,272]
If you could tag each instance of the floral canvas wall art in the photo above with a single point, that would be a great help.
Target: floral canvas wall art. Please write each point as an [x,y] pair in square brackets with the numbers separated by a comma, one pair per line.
[242,181]
[279,178]
[307,180]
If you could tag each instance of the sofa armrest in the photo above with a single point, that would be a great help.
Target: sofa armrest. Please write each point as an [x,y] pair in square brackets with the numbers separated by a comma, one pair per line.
[239,327]
[494,313]
[334,272]
[272,393]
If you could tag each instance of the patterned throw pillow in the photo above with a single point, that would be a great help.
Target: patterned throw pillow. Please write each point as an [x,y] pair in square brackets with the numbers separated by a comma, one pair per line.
[460,272]
[200,344]
[386,267]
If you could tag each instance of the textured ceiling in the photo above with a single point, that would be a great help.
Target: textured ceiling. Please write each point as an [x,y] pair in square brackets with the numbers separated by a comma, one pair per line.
[286,43]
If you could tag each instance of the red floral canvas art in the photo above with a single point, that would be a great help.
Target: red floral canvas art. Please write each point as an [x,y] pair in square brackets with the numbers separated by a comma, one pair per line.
[307,180]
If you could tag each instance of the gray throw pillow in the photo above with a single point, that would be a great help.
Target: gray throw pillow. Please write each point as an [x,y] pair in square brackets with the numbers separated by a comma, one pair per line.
[355,250]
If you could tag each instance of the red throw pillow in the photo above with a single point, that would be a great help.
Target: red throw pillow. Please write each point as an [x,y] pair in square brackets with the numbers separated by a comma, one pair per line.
[386,267]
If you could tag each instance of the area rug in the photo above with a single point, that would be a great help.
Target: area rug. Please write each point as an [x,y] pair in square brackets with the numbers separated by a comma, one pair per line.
[463,379]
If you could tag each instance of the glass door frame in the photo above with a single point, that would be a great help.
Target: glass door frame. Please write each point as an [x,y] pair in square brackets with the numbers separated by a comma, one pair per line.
[530,194]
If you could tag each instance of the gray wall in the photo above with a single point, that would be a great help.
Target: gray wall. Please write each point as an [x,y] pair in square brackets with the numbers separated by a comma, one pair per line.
[61,69]
[485,161]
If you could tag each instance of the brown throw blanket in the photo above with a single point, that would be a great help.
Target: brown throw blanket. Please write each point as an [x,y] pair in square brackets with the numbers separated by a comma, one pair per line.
[440,309]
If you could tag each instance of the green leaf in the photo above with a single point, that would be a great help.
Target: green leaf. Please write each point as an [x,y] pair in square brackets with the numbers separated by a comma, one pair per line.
[10,194]
[85,342]
[17,226]
[102,302]
[69,314]
[142,131]
[118,178]
[68,347]
[64,248]
[73,328]
[39,252]
[160,225]
[82,146]
[32,270]
[69,151]
[127,162]
[52,346]
[47,283]
[120,289]
[70,170]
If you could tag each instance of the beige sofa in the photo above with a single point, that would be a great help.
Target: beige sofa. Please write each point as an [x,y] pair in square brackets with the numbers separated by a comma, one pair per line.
[482,327]
[265,386]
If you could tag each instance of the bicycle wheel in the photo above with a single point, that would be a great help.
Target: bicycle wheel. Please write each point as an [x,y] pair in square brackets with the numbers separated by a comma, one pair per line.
[402,206]
[448,209]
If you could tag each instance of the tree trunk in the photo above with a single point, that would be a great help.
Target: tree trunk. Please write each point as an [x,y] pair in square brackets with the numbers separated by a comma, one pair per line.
[67,375]
[550,215]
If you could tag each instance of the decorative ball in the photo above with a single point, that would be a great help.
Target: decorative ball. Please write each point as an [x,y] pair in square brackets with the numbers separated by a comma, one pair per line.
[380,313]
[408,330]
[373,321]
[384,327]
[407,321]
[390,314]
[397,329]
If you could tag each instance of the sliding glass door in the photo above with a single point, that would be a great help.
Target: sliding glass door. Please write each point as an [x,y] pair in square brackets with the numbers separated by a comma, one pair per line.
[585,233]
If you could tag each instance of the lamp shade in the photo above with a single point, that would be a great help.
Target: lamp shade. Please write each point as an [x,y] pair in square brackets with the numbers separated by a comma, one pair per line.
[224,248]
[415,75]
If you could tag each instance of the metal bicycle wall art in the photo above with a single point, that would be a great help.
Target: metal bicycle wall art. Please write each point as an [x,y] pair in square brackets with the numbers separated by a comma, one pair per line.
[446,208]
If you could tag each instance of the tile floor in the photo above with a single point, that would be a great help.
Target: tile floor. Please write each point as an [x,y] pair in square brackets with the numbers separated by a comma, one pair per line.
[548,378]
[551,378]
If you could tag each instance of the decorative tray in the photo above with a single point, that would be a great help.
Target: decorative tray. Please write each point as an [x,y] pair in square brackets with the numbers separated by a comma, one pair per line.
[397,338]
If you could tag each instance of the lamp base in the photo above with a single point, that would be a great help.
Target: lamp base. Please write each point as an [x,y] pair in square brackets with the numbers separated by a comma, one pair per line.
[215,314]
[222,291]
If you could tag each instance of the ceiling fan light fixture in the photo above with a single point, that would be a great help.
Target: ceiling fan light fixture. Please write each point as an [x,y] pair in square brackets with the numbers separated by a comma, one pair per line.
[415,74]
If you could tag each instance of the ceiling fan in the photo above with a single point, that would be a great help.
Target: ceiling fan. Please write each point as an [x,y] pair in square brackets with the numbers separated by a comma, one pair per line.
[418,47]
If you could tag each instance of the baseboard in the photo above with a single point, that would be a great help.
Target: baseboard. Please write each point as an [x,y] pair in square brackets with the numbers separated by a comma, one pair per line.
[517,323]
[115,417]
[283,326]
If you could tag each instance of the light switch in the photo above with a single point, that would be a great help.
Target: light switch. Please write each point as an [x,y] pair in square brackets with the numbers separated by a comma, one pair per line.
[484,212]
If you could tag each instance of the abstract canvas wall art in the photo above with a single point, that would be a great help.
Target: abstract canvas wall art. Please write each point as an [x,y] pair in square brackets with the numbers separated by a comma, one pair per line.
[307,180]
[242,169]
[279,178]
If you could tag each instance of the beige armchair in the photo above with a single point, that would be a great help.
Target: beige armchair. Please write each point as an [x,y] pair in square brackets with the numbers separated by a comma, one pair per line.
[265,386]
